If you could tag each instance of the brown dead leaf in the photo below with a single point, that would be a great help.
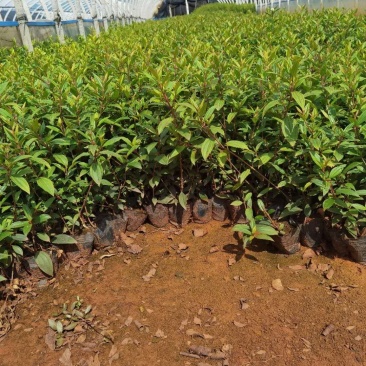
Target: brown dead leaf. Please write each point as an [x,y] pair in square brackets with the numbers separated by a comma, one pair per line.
[328,329]
[134,249]
[81,338]
[309,253]
[182,246]
[193,333]
[277,284]
[113,354]
[127,341]
[238,324]
[330,274]
[183,324]
[323,267]
[197,321]
[351,327]
[107,255]
[160,334]
[358,338]
[294,289]
[94,361]
[200,350]
[231,261]
[128,321]
[65,359]
[150,275]
[243,304]
[306,343]
[297,267]
[198,233]
[207,336]
[214,249]
[50,339]
[178,232]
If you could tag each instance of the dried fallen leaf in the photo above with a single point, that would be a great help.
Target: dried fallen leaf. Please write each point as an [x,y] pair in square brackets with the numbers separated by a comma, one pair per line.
[207,336]
[65,359]
[200,350]
[183,324]
[358,338]
[134,249]
[243,304]
[214,249]
[297,267]
[50,339]
[193,333]
[127,341]
[198,233]
[261,352]
[81,338]
[328,329]
[306,343]
[231,261]
[94,361]
[294,289]
[323,267]
[197,321]
[113,354]
[160,334]
[107,255]
[330,274]
[182,246]
[238,324]
[277,284]
[150,275]
[351,327]
[128,321]
[309,253]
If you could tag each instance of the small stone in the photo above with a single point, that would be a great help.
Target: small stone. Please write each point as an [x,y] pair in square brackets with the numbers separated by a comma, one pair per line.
[277,285]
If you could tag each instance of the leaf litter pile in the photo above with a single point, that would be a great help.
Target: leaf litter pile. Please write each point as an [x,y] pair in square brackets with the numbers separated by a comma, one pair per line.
[177,297]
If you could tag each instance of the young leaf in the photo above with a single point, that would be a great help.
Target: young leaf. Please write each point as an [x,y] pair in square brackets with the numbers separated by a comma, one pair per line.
[64,239]
[182,198]
[21,183]
[96,172]
[47,185]
[238,144]
[44,262]
[207,147]
[2,278]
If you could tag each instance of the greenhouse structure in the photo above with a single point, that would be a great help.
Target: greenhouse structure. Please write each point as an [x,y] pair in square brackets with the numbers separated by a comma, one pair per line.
[24,21]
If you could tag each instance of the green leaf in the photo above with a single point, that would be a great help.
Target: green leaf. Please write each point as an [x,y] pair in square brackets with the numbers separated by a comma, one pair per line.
[242,228]
[52,324]
[62,159]
[299,98]
[316,158]
[182,198]
[2,278]
[231,116]
[266,157]
[269,106]
[263,237]
[336,171]
[44,262]
[236,203]
[207,147]
[47,185]
[266,229]
[21,183]
[163,124]
[96,173]
[17,249]
[59,327]
[44,237]
[238,144]
[290,130]
[64,239]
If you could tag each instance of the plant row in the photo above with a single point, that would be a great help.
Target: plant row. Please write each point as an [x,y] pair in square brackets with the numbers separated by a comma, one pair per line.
[268,110]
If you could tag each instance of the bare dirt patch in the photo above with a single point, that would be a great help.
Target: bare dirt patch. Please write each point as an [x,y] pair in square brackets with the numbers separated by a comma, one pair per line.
[183,300]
